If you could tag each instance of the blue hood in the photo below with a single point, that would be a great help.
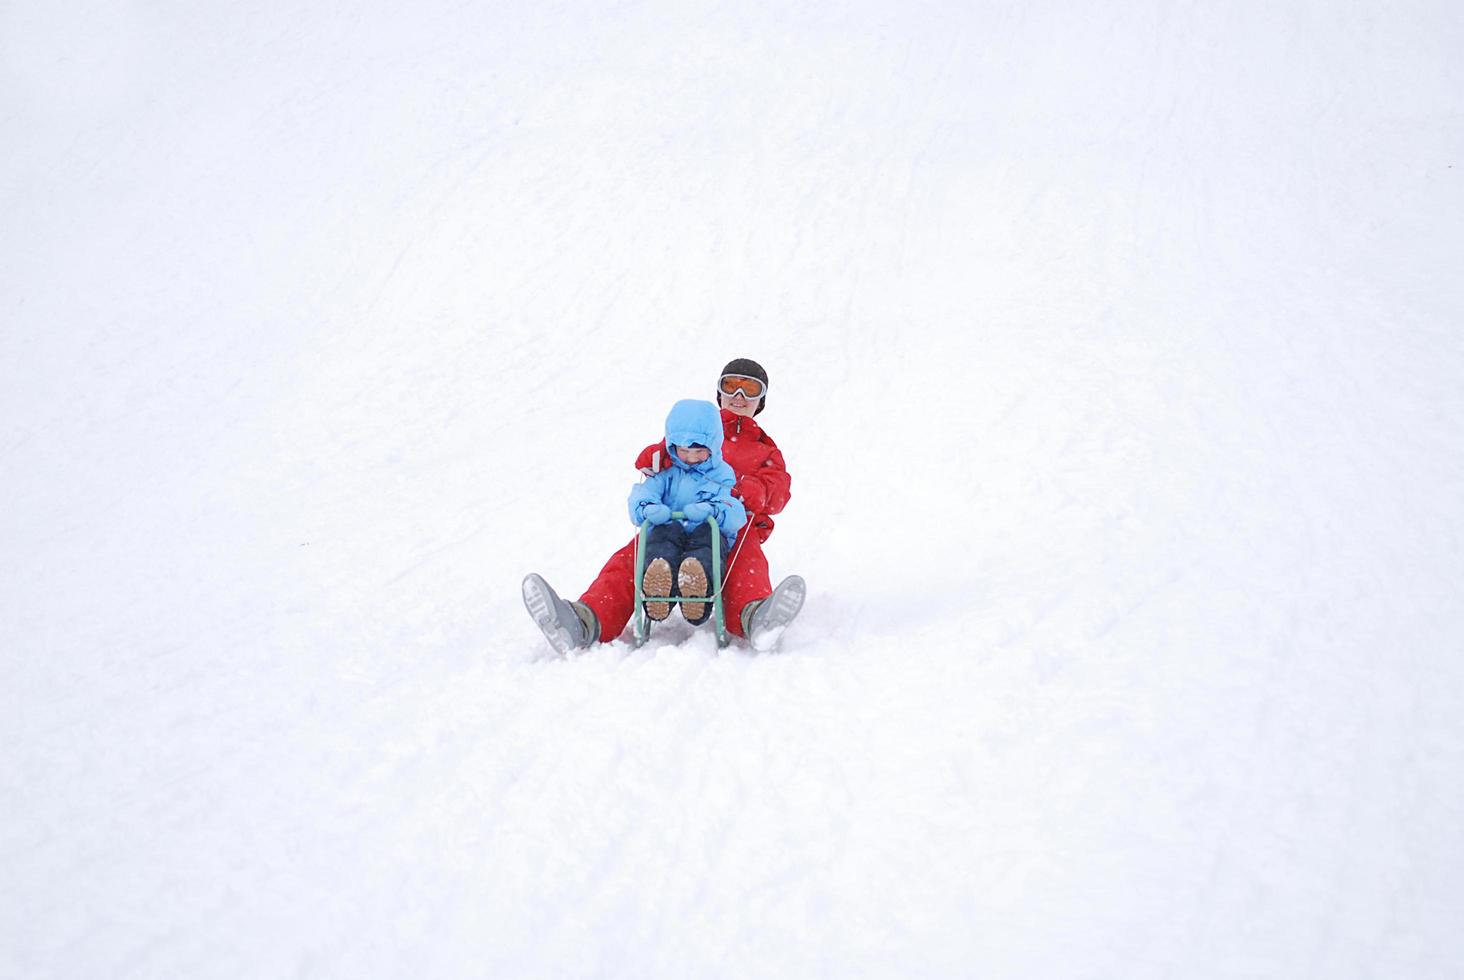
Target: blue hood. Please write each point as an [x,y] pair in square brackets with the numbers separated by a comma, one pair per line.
[694,421]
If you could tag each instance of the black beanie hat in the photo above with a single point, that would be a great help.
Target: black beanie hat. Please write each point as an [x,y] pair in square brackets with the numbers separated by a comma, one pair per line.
[749,368]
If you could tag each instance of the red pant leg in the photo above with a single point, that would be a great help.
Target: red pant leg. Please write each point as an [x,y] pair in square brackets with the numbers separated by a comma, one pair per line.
[612,594]
[746,579]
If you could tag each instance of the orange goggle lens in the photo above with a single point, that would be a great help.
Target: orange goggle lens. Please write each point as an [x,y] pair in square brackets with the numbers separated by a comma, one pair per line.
[751,387]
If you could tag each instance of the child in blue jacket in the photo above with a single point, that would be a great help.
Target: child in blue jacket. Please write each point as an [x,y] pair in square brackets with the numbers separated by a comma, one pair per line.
[698,484]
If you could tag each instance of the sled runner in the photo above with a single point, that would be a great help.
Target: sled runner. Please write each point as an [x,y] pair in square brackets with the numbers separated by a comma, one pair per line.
[641,623]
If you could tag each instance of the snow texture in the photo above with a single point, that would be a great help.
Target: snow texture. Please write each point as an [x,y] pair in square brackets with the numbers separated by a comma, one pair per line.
[1116,351]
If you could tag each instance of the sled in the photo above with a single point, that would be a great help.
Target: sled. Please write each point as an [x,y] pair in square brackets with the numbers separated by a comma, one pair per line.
[641,623]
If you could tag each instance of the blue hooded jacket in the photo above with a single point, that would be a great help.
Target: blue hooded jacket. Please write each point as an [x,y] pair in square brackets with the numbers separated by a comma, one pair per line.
[711,481]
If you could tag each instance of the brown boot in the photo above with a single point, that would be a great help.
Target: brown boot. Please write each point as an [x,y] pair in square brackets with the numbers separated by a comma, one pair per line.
[691,580]
[657,582]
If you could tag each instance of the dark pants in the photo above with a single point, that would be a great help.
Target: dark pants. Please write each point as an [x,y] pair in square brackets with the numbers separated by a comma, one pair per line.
[675,544]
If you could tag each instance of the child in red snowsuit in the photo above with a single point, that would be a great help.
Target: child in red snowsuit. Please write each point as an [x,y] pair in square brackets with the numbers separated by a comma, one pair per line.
[752,606]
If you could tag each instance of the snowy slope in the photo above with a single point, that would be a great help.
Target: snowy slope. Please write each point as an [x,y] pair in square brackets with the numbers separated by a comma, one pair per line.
[1115,352]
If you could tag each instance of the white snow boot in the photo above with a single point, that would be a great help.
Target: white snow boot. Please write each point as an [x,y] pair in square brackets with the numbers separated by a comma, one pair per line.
[764,621]
[566,625]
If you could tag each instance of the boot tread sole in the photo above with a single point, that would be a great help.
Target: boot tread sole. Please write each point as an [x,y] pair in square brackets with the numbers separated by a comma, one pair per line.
[691,580]
[657,582]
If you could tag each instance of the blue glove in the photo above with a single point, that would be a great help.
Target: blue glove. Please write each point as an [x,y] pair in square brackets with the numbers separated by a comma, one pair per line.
[657,513]
[697,511]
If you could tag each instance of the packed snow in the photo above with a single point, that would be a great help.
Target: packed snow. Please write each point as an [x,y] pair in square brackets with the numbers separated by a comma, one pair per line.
[1116,354]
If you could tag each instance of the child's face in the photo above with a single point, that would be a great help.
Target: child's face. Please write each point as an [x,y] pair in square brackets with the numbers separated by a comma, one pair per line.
[691,455]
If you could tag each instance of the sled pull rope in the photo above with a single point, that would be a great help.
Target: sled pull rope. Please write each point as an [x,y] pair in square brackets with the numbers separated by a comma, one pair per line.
[727,565]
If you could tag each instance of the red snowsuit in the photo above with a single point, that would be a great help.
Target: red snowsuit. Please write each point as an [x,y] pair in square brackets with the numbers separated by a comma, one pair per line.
[762,486]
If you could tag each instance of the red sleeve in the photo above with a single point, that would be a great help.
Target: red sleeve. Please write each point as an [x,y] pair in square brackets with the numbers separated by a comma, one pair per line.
[751,492]
[766,489]
[652,458]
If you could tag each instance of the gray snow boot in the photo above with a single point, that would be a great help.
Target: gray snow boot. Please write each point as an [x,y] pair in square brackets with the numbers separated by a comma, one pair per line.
[566,625]
[763,621]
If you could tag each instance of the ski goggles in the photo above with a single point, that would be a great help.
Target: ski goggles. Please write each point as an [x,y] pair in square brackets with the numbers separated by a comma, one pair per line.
[751,388]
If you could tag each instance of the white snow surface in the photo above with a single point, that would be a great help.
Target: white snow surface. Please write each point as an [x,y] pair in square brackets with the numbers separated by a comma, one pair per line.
[1116,353]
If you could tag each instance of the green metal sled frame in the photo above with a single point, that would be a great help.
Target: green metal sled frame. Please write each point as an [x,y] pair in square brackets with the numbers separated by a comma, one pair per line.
[641,624]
